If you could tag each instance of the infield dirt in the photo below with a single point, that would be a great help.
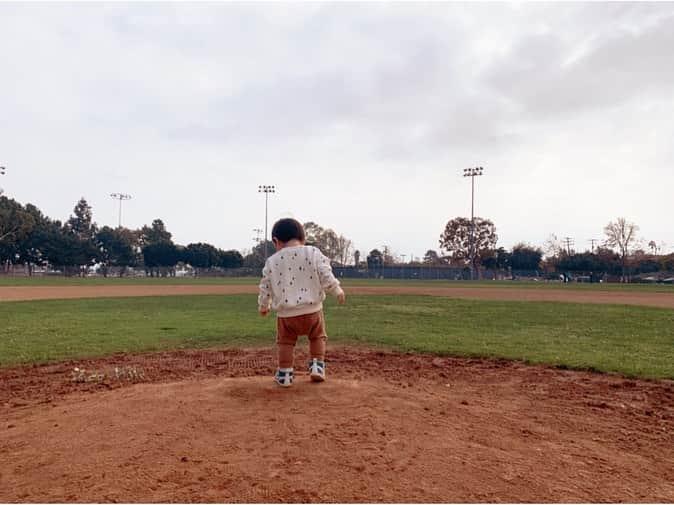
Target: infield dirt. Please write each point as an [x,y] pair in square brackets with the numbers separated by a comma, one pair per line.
[210,426]
[665,300]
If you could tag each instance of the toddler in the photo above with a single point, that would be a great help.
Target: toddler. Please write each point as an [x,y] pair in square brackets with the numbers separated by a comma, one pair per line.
[294,282]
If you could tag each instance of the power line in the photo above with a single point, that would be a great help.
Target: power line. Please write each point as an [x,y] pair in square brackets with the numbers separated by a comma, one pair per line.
[592,241]
[569,242]
[120,197]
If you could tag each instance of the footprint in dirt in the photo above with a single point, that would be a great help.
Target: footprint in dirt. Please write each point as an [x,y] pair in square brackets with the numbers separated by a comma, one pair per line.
[264,388]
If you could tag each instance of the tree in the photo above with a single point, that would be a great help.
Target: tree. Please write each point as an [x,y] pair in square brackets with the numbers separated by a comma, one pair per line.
[456,239]
[525,257]
[387,255]
[230,259]
[498,259]
[622,235]
[31,246]
[553,246]
[80,236]
[154,234]
[118,248]
[16,224]
[432,258]
[336,247]
[201,255]
[345,249]
[81,222]
[374,259]
[356,258]
[667,263]
[160,257]
[256,257]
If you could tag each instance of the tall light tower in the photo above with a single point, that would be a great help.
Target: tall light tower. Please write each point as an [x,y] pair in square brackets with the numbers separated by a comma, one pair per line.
[120,197]
[472,173]
[266,190]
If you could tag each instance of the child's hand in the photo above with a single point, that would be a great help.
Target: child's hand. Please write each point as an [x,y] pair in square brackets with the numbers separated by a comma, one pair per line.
[264,312]
[341,298]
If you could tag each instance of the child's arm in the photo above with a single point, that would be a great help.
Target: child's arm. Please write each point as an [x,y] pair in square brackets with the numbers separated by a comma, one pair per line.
[329,282]
[264,299]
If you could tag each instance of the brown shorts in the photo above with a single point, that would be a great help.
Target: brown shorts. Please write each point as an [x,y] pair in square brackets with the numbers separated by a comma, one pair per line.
[289,328]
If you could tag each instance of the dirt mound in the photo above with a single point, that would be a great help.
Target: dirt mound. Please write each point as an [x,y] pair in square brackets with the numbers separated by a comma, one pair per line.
[210,426]
[665,300]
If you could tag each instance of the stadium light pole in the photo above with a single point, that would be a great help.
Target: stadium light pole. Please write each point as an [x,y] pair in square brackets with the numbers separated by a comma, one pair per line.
[120,197]
[472,173]
[266,190]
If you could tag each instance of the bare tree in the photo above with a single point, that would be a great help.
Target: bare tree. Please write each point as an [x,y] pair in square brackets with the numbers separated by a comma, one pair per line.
[336,247]
[553,246]
[345,248]
[653,246]
[622,235]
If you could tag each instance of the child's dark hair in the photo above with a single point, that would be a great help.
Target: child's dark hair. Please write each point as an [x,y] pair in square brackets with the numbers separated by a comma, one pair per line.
[285,230]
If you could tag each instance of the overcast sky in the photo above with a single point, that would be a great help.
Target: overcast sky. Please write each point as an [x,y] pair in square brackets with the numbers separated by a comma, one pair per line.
[363,115]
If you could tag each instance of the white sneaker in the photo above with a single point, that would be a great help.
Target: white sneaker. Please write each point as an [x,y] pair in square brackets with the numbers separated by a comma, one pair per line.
[317,370]
[284,377]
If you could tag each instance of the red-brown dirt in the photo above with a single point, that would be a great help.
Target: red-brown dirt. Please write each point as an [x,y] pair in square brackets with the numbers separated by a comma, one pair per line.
[210,426]
[666,300]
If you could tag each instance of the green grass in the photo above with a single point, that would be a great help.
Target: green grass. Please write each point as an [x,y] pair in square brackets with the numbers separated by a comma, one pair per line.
[629,340]
[145,281]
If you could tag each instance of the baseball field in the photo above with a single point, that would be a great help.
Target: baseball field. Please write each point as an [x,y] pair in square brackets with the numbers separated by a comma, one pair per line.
[160,390]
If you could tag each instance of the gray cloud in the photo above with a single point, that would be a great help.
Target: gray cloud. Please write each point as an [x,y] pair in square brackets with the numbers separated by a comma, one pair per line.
[362,114]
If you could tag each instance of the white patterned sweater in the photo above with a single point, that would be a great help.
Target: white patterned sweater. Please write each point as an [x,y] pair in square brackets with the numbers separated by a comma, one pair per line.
[295,280]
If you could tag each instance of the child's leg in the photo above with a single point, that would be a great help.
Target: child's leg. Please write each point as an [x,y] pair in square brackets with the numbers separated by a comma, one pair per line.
[286,339]
[317,337]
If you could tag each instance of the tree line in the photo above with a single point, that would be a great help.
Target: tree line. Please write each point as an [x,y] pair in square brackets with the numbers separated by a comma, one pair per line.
[621,253]
[30,238]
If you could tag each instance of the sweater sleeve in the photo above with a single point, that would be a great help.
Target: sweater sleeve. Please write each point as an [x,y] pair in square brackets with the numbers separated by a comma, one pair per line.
[264,298]
[329,282]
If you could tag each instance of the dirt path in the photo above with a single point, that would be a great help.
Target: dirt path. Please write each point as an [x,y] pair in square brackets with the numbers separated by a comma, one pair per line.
[209,426]
[665,300]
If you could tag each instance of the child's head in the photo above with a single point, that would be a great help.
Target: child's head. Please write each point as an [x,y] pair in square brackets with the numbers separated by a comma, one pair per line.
[286,230]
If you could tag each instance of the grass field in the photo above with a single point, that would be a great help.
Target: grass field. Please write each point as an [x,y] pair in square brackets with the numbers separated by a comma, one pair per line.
[630,340]
[144,281]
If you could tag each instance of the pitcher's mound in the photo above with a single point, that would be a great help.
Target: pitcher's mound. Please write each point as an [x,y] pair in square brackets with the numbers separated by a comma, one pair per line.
[384,427]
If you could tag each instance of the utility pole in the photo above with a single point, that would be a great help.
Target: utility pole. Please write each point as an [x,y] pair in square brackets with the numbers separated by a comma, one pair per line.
[3,171]
[120,197]
[569,242]
[258,231]
[383,260]
[472,173]
[266,190]
[592,241]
